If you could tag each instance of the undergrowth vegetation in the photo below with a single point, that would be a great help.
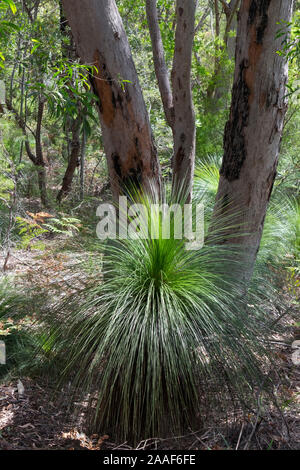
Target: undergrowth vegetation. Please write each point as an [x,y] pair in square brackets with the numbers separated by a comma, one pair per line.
[162,335]
[20,343]
[149,337]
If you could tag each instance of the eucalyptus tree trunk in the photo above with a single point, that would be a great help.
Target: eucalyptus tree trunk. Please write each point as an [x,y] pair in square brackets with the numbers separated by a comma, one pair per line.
[74,159]
[40,162]
[219,86]
[20,112]
[176,94]
[184,129]
[74,122]
[128,142]
[254,129]
[82,163]
[231,25]
[37,158]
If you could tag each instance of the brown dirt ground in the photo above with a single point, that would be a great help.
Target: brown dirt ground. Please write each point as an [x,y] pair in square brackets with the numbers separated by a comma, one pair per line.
[40,417]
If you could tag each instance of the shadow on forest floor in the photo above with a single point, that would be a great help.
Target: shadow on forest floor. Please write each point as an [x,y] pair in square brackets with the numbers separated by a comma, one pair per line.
[40,417]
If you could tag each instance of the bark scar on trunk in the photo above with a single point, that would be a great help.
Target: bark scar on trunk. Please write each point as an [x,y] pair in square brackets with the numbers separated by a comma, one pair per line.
[131,168]
[257,22]
[271,180]
[255,51]
[234,137]
[180,155]
[244,92]
[103,85]
[258,13]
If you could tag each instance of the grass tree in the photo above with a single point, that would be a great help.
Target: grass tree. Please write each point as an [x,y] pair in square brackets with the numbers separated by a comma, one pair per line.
[162,338]
[166,328]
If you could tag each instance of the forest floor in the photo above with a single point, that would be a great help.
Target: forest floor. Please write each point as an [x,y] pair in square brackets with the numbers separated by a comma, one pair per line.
[39,416]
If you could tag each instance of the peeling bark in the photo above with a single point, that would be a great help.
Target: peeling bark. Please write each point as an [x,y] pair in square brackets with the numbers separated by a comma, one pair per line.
[128,142]
[254,129]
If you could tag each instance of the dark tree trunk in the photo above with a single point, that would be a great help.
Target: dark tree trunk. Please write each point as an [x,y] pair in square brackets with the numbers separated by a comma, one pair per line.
[40,163]
[219,85]
[177,99]
[73,160]
[184,129]
[37,158]
[73,123]
[82,163]
[128,142]
[231,25]
[254,129]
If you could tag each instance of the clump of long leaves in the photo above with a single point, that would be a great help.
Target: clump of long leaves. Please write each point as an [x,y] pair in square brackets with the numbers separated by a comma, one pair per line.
[206,179]
[281,233]
[10,300]
[281,237]
[19,342]
[164,331]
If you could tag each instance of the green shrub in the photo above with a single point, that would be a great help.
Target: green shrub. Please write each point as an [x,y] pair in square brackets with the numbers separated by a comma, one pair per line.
[165,333]
[281,234]
[281,231]
[16,339]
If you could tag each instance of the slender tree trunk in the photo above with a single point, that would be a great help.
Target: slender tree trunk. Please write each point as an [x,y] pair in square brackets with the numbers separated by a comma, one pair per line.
[82,163]
[73,160]
[37,158]
[202,19]
[20,116]
[161,69]
[128,142]
[40,163]
[254,129]
[231,25]
[219,85]
[177,95]
[184,129]
[73,123]
[217,66]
